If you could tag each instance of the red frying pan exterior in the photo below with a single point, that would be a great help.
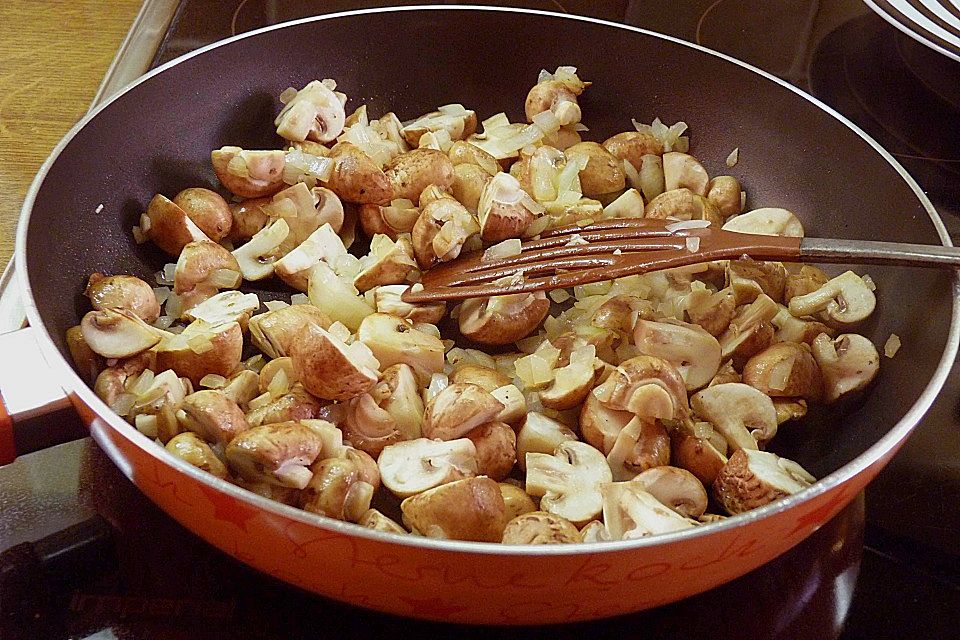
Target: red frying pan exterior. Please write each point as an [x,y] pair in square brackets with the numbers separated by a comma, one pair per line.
[157,136]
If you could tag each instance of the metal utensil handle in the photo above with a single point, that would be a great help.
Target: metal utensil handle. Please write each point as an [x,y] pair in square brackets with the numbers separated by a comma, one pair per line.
[871,252]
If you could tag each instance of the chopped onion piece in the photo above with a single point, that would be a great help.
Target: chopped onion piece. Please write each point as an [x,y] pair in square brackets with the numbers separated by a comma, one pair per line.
[547,122]
[146,424]
[576,240]
[734,157]
[544,76]
[226,279]
[503,249]
[161,294]
[867,280]
[299,298]
[560,295]
[693,243]
[139,236]
[892,345]
[687,224]
[275,305]
[287,95]
[438,382]
[213,381]
[164,322]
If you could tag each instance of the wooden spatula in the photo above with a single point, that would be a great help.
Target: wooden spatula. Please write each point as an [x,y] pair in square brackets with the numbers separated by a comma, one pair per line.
[577,255]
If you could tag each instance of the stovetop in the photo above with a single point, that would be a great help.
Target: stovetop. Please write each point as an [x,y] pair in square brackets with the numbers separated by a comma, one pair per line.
[887,566]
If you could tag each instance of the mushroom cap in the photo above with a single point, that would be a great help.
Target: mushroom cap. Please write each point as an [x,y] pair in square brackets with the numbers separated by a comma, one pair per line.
[725,194]
[682,204]
[600,425]
[516,501]
[412,172]
[569,481]
[202,349]
[752,479]
[785,369]
[484,377]
[373,519]
[87,363]
[394,340]
[296,404]
[331,369]
[367,426]
[170,227]
[469,182]
[248,218]
[735,409]
[501,209]
[274,332]
[633,145]
[694,352]
[213,416]
[603,173]
[545,96]
[640,445]
[457,410]
[357,177]
[199,262]
[676,488]
[188,446]
[749,278]
[696,454]
[249,174]
[503,319]
[117,333]
[540,527]
[278,453]
[387,298]
[413,466]
[208,210]
[123,292]
[496,445]
[846,299]
[594,531]
[467,509]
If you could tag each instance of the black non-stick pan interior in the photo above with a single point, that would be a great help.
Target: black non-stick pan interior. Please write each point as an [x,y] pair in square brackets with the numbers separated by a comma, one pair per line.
[157,138]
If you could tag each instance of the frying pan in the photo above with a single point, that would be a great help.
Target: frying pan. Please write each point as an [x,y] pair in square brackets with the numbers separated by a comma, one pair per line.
[794,152]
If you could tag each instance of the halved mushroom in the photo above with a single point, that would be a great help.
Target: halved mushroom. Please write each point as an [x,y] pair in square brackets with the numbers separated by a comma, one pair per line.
[227,306]
[571,383]
[119,378]
[388,300]
[742,414]
[398,393]
[169,226]
[785,369]
[202,349]
[568,481]
[412,172]
[768,221]
[148,401]
[457,409]
[208,210]
[630,512]
[628,205]
[503,319]
[496,445]
[803,281]
[274,332]
[387,263]
[304,210]
[87,363]
[540,434]
[440,231]
[242,387]
[469,183]
[846,299]
[457,122]
[789,409]
[188,446]
[248,218]
[642,444]
[604,171]
[313,113]
[464,153]
[645,386]
[726,374]
[725,194]
[682,204]
[373,519]
[693,447]
[676,488]
[601,425]
[504,209]
[278,453]
[367,426]
[848,364]
[619,313]
[295,404]
[329,368]
[357,177]
[212,415]
[391,219]
[594,531]
[122,292]
[749,278]
[540,527]
[557,94]
[633,145]
[117,333]
[257,257]
[789,328]
[713,312]
[514,404]
[749,331]
[516,501]
[204,268]
[414,466]
[249,174]
[337,490]
[694,352]
[394,340]
[683,171]
[323,244]
[467,509]
[752,479]
[484,377]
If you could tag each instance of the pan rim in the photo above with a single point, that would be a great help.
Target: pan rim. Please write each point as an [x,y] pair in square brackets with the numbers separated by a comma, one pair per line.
[72,383]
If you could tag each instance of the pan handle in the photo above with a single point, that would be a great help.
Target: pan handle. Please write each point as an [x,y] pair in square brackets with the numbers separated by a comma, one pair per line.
[28,391]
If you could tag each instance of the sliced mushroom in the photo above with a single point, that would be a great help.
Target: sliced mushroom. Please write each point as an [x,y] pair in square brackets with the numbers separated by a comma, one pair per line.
[682,204]
[516,501]
[503,319]
[848,364]
[304,210]
[694,352]
[485,377]
[117,379]
[412,172]
[278,454]
[803,281]
[367,426]
[331,369]
[645,386]
[568,481]
[676,488]
[87,363]
[514,404]
[457,410]
[313,113]
[642,444]
[540,434]
[337,490]
[388,300]
[169,226]
[601,425]
[399,395]
[394,340]
[242,387]
[202,349]
[571,383]
[440,231]
[556,96]
[296,404]
[785,369]
[467,509]
[767,221]
[846,299]
[789,328]
[725,194]
[256,258]
[248,218]
[123,292]
[204,268]
[713,312]
[208,210]
[692,448]
[752,479]
[683,171]
[188,446]
[373,519]
[274,332]
[213,416]
[414,466]
[742,414]
[631,512]
[540,527]
[249,174]
[357,177]
[726,374]
[633,145]
[789,409]
[594,531]
[749,278]
[503,209]
[387,263]
[391,219]
[117,333]
[496,445]
[749,331]
[469,183]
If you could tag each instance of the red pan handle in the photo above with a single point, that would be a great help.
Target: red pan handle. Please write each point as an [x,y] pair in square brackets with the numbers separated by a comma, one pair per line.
[29,394]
